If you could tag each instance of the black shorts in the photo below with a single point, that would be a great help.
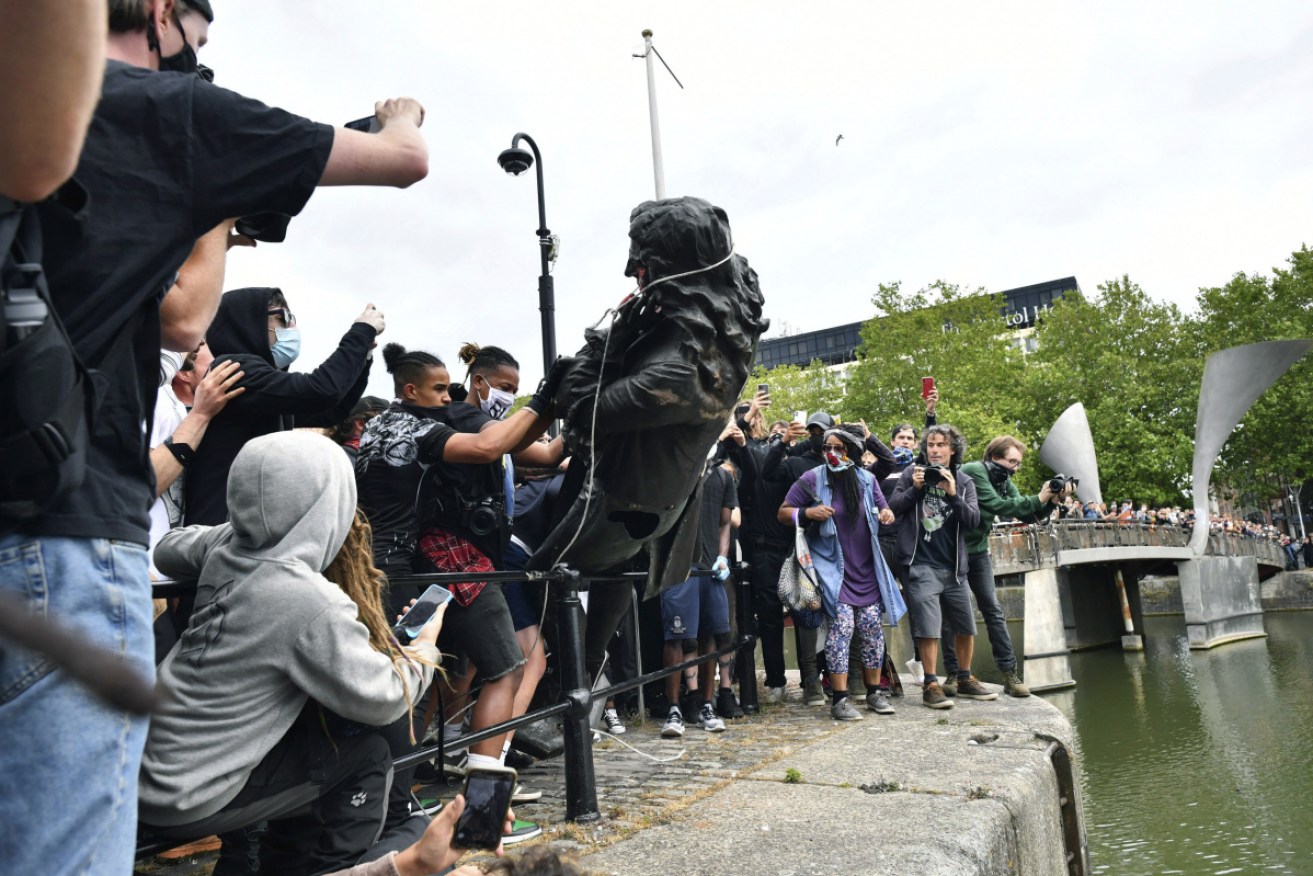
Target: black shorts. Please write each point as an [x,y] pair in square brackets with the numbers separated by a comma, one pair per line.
[484,633]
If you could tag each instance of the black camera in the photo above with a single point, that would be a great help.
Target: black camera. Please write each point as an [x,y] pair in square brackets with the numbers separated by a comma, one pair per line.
[483,516]
[1059,482]
[936,473]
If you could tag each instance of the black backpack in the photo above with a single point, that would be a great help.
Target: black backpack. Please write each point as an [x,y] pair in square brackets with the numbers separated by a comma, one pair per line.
[44,389]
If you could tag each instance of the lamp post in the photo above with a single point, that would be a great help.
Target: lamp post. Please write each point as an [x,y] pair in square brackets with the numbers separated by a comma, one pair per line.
[516,161]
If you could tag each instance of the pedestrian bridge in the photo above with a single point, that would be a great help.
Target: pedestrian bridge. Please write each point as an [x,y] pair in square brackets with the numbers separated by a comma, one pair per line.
[1081,581]
[1017,549]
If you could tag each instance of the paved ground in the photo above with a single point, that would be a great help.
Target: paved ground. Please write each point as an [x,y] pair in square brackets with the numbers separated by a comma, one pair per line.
[762,790]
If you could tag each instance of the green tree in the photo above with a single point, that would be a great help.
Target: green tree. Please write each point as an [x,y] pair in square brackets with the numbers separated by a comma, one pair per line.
[1273,445]
[958,339]
[796,388]
[1134,363]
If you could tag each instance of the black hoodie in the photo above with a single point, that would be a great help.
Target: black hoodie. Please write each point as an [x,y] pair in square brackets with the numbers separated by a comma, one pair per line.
[274,400]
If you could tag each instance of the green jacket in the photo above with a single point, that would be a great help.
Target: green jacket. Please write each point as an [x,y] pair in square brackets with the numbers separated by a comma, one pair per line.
[1028,509]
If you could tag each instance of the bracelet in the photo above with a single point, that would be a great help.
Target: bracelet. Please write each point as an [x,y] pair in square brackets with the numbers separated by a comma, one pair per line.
[184,453]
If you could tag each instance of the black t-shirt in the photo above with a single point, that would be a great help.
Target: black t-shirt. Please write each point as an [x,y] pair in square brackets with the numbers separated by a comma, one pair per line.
[938,531]
[396,448]
[447,484]
[168,156]
[718,491]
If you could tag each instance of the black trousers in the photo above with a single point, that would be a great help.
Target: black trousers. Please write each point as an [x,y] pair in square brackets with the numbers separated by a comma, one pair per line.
[325,801]
[767,560]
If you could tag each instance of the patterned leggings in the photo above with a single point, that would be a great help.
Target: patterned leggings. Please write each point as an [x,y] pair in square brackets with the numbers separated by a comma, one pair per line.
[839,639]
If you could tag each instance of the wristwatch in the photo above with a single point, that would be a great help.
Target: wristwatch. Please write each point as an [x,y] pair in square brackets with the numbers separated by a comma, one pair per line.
[184,453]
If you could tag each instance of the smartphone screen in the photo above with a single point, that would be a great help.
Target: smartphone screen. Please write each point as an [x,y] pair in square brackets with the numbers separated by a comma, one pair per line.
[927,385]
[421,612]
[368,125]
[487,799]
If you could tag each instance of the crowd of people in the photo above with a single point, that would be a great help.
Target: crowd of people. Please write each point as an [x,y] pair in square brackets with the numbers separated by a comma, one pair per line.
[1128,511]
[299,507]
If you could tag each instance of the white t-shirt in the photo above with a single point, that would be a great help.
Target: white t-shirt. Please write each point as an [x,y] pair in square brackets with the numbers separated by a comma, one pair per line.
[168,415]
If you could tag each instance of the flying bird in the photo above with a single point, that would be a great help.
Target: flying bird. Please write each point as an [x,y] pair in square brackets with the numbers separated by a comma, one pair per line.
[837,139]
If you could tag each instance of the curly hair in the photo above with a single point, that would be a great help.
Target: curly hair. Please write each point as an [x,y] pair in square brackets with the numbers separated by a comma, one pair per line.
[955,440]
[536,861]
[353,570]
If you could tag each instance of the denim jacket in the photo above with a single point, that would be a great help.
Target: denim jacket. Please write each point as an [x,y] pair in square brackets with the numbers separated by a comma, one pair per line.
[827,557]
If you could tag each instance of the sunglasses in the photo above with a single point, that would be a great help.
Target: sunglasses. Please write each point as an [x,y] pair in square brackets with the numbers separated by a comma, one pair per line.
[840,449]
[283,314]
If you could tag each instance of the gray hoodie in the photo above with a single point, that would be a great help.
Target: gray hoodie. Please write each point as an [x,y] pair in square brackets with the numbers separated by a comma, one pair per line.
[269,632]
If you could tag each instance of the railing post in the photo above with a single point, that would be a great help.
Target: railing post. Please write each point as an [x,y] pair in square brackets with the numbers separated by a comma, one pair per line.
[745,659]
[580,783]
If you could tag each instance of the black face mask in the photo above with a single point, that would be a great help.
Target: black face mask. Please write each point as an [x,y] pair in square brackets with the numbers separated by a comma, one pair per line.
[183,62]
[816,442]
[998,474]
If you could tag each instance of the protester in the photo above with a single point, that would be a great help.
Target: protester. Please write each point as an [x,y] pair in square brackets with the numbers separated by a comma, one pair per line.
[997,496]
[106,266]
[347,433]
[256,328]
[238,736]
[695,614]
[938,510]
[855,581]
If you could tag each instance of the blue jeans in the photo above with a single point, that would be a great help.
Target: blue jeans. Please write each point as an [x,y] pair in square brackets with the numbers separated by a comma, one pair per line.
[980,575]
[69,761]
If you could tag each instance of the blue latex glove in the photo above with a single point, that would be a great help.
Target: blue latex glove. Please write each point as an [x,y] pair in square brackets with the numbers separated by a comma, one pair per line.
[720,568]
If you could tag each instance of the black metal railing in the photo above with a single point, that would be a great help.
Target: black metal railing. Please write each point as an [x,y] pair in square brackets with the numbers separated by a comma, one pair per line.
[577,695]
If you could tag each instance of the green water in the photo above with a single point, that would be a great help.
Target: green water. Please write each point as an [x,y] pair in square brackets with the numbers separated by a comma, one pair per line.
[1197,761]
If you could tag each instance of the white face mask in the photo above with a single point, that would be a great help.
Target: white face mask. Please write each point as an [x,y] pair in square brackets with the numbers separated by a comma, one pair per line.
[497,403]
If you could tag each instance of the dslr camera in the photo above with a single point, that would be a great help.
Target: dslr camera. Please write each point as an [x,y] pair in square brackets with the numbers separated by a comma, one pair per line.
[934,474]
[482,516]
[1059,482]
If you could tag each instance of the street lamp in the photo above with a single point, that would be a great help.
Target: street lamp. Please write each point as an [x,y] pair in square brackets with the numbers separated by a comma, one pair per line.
[516,161]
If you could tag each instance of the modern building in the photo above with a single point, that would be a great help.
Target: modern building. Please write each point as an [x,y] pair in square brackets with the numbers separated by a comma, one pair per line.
[838,345]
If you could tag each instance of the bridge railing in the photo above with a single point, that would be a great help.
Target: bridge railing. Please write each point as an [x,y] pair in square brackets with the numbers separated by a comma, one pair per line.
[1019,547]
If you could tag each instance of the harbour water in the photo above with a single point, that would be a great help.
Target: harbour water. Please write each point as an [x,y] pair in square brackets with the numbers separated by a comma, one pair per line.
[1198,762]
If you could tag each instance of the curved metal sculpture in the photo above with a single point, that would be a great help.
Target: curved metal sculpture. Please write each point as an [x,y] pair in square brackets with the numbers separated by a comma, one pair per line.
[1233,380]
[1069,448]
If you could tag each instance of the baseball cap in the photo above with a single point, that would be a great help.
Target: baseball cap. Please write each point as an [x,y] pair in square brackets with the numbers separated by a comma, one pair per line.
[822,419]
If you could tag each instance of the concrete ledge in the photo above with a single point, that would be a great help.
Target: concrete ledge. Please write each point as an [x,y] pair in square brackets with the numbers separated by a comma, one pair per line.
[965,791]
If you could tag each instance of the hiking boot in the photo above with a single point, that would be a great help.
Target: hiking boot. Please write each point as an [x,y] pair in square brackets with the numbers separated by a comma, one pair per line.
[878,702]
[674,725]
[843,710]
[949,684]
[933,697]
[727,706]
[708,721]
[774,695]
[521,831]
[524,795]
[971,689]
[1013,686]
[611,721]
[812,694]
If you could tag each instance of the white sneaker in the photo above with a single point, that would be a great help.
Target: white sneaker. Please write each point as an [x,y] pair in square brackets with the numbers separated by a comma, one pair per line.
[523,795]
[774,695]
[674,725]
[611,721]
[918,671]
[709,720]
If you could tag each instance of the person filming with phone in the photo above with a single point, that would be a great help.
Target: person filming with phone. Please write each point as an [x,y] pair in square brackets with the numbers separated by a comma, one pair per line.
[288,626]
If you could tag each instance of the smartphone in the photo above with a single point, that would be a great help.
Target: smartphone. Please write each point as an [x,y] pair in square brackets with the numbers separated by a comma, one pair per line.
[763,387]
[800,417]
[487,800]
[367,125]
[927,386]
[421,612]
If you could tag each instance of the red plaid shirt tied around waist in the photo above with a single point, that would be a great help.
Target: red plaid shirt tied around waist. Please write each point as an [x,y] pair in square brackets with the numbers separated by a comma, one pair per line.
[451,553]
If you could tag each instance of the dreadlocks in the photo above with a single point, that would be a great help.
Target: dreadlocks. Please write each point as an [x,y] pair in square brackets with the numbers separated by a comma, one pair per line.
[354,571]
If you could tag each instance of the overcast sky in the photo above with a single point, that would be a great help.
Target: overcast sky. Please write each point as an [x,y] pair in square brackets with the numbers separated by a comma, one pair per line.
[988,144]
